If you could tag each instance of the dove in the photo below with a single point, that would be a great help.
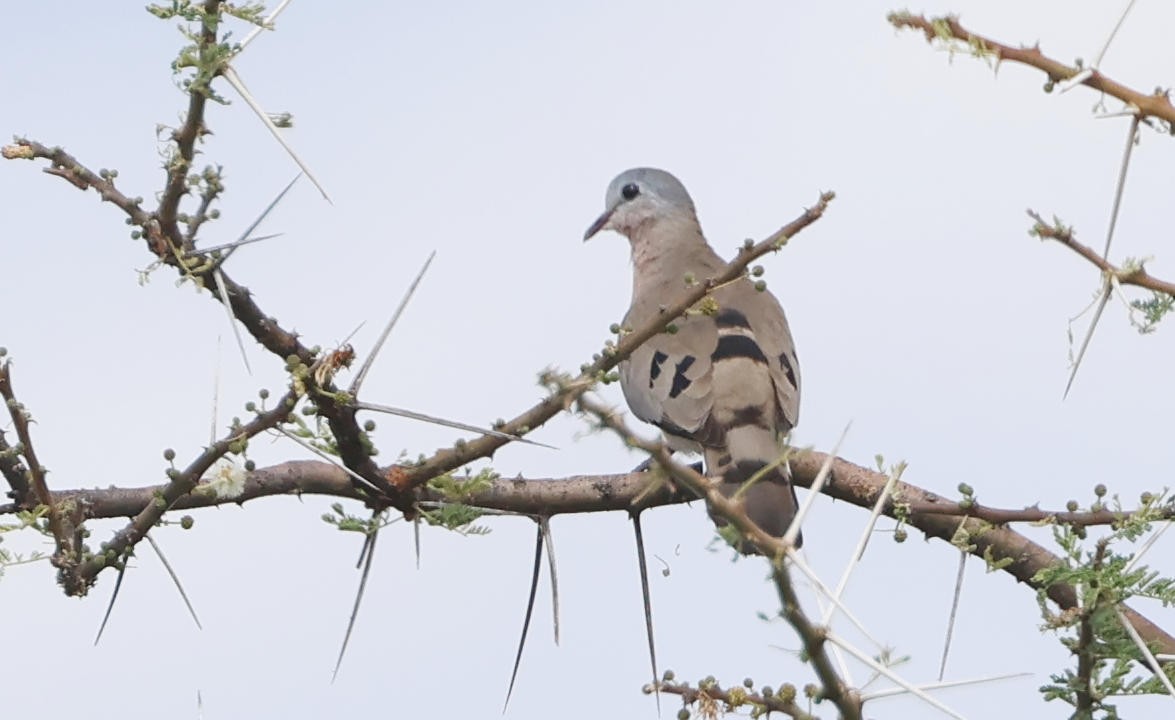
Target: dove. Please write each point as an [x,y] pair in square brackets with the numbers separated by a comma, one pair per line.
[726,382]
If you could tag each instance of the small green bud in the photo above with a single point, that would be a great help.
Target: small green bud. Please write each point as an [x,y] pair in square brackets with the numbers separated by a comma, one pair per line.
[263,393]
[187,521]
[748,244]
[760,285]
[136,234]
[1099,490]
[671,329]
[1146,498]
[966,489]
[1049,86]
[668,676]
[250,406]
[213,214]
[169,454]
[683,714]
[748,683]
[250,466]
[900,535]
[690,279]
[369,425]
[757,270]
[1072,506]
[614,328]
[766,691]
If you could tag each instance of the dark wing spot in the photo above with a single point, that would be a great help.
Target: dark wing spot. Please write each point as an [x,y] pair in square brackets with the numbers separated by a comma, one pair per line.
[732,318]
[680,381]
[655,368]
[749,415]
[785,363]
[738,346]
[672,428]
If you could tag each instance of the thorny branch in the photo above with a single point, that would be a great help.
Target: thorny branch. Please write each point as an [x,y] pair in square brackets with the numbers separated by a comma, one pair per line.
[1136,276]
[833,687]
[782,700]
[929,512]
[29,488]
[1157,104]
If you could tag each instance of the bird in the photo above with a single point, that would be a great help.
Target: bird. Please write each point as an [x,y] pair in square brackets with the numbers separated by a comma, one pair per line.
[727,382]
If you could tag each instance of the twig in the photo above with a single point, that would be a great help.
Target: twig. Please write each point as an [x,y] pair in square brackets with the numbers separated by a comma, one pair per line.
[782,701]
[947,28]
[1136,276]
[182,483]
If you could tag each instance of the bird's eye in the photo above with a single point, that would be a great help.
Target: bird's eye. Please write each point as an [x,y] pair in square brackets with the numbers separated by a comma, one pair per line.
[629,191]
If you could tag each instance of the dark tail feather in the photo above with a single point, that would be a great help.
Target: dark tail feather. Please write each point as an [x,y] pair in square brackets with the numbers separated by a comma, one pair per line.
[770,503]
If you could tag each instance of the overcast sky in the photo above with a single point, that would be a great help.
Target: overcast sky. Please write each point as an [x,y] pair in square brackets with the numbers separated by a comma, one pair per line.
[922,310]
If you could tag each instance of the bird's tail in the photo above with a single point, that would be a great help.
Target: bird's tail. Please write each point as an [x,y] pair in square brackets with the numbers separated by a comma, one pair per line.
[752,451]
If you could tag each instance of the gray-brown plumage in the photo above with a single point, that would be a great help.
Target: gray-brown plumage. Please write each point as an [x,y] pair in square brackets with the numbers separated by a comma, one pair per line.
[727,384]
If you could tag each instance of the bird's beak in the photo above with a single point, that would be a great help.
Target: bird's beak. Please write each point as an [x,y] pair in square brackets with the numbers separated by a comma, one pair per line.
[600,223]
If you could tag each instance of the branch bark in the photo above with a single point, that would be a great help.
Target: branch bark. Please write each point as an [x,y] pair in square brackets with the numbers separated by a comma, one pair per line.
[1157,104]
[546,497]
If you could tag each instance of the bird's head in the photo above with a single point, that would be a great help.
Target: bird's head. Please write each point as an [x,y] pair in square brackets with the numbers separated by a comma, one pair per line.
[640,198]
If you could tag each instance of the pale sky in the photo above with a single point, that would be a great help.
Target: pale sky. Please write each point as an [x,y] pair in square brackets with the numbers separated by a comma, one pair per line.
[923,313]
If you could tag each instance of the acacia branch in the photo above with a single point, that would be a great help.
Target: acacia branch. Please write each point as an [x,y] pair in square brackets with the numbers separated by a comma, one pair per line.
[705,695]
[852,483]
[813,636]
[29,487]
[948,29]
[1136,276]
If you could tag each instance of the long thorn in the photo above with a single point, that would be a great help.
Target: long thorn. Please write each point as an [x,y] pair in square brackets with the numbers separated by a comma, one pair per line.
[1097,315]
[175,579]
[946,648]
[545,527]
[534,586]
[1097,62]
[413,415]
[215,393]
[383,335]
[244,239]
[1130,138]
[1152,662]
[329,458]
[890,692]
[862,542]
[234,244]
[793,530]
[110,606]
[893,677]
[229,73]
[640,556]
[416,539]
[222,290]
[358,600]
[266,24]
